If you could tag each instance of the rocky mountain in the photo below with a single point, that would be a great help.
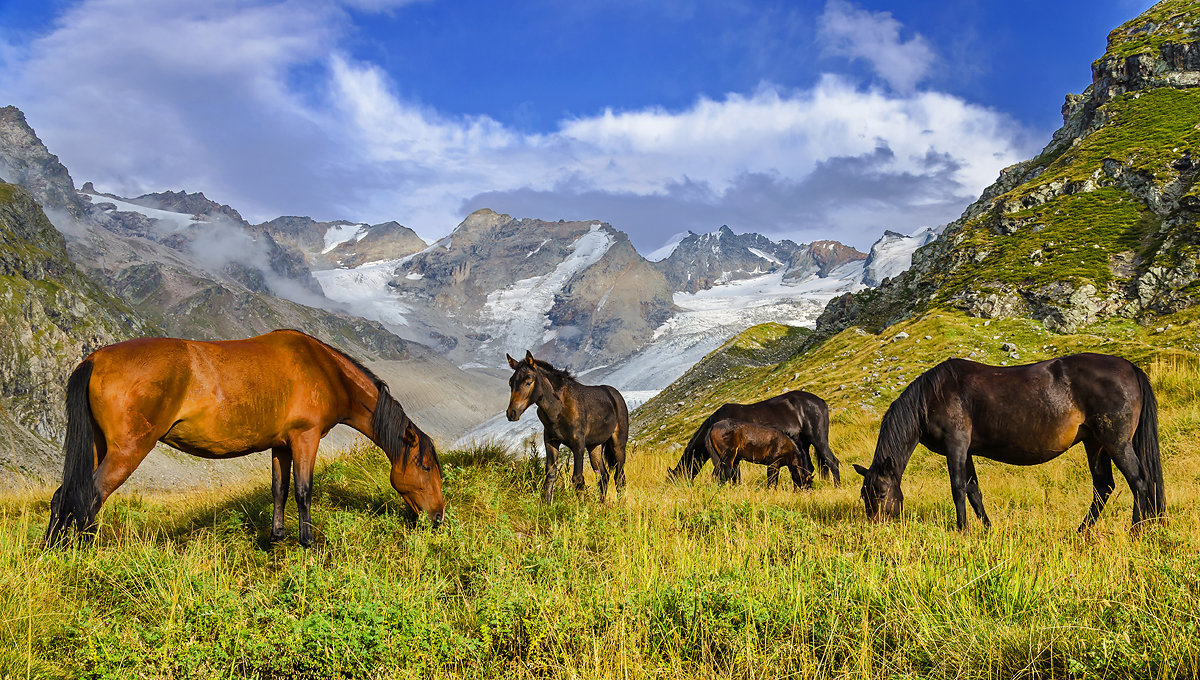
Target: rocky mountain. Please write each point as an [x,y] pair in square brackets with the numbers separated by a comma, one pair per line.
[344,244]
[79,270]
[1102,223]
[53,315]
[701,261]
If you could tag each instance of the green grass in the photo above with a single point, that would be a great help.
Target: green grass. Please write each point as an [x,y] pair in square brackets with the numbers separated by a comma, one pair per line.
[668,580]
[1169,21]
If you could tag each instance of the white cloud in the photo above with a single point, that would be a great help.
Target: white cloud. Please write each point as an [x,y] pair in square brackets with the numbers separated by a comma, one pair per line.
[149,96]
[874,37]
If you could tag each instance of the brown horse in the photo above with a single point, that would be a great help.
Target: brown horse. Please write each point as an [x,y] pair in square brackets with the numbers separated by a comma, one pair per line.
[281,391]
[1023,415]
[584,417]
[730,441]
[802,416]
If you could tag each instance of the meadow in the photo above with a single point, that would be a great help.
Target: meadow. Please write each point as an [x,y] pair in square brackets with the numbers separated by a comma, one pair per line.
[666,581]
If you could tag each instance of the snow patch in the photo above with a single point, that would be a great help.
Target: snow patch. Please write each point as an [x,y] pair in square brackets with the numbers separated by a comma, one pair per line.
[338,234]
[176,221]
[664,251]
[517,316]
[764,256]
[365,290]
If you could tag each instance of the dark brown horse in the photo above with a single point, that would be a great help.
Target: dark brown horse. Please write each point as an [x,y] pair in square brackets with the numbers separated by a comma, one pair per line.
[802,416]
[730,441]
[584,417]
[281,391]
[1023,415]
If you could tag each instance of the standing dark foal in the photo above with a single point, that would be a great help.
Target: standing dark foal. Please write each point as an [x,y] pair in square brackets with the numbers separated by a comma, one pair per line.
[730,441]
[1023,415]
[802,416]
[584,417]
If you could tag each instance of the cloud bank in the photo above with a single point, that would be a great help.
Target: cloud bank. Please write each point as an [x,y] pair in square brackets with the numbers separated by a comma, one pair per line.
[259,105]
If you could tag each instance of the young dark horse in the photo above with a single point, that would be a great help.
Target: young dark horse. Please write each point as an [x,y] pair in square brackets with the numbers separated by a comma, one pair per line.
[1023,415]
[584,417]
[802,416]
[281,391]
[730,441]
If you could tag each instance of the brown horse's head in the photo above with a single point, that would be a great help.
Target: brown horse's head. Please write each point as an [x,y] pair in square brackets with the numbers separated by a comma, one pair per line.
[524,386]
[417,474]
[881,490]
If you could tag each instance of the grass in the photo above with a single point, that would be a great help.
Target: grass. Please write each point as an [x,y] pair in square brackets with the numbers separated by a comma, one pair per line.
[666,581]
[1168,21]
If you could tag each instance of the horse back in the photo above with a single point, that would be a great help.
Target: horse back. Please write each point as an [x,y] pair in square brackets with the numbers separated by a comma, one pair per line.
[250,392]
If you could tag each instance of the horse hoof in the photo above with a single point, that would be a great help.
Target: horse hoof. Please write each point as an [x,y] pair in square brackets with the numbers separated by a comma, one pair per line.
[277,536]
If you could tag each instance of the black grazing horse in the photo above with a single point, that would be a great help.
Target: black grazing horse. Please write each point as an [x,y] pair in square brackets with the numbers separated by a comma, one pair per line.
[802,416]
[1023,415]
[584,417]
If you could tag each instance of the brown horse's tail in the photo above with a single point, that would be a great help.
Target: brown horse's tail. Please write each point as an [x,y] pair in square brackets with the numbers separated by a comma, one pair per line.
[1145,445]
[75,501]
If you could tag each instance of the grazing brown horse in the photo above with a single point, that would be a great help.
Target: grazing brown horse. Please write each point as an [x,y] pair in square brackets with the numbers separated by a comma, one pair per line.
[802,416]
[281,391]
[1023,415]
[730,441]
[584,417]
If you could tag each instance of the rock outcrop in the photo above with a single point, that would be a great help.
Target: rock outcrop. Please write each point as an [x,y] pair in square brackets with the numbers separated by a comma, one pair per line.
[1102,223]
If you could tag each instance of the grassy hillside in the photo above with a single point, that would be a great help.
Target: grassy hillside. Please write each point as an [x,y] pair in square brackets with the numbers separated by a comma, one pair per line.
[669,580]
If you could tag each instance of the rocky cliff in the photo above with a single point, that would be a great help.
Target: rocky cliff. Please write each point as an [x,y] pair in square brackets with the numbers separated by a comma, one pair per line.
[1102,223]
[53,315]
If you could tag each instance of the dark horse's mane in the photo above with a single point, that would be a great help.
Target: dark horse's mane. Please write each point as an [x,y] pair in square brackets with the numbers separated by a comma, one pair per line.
[389,421]
[558,376]
[905,418]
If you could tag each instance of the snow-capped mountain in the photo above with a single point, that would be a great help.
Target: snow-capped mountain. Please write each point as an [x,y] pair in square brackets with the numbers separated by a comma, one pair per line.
[892,254]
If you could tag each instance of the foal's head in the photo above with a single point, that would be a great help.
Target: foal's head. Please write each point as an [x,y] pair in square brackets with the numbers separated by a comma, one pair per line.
[525,385]
[881,492]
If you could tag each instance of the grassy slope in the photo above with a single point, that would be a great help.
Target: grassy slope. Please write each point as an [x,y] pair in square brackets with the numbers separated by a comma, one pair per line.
[687,580]
[1168,21]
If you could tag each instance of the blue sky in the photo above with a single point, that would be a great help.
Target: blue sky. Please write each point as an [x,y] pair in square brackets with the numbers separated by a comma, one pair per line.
[806,120]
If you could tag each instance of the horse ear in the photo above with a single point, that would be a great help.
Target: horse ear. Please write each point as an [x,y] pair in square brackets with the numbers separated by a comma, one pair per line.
[529,357]
[860,469]
[513,363]
[410,436]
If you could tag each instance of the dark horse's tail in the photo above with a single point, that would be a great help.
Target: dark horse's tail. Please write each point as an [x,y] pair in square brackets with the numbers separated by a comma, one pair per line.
[75,500]
[694,454]
[1145,445]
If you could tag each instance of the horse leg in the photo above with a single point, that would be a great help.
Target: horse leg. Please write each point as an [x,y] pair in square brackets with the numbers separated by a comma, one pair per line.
[281,472]
[804,460]
[957,461]
[577,478]
[974,495]
[551,469]
[304,458]
[122,457]
[1127,462]
[1100,464]
[773,475]
[614,451]
[600,469]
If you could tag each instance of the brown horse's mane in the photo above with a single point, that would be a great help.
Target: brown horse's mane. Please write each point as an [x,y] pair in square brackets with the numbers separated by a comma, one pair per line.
[905,418]
[558,376]
[389,421]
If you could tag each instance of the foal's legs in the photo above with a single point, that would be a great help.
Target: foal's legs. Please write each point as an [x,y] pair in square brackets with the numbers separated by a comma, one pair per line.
[600,469]
[974,495]
[551,468]
[773,475]
[304,457]
[614,450]
[577,451]
[281,473]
